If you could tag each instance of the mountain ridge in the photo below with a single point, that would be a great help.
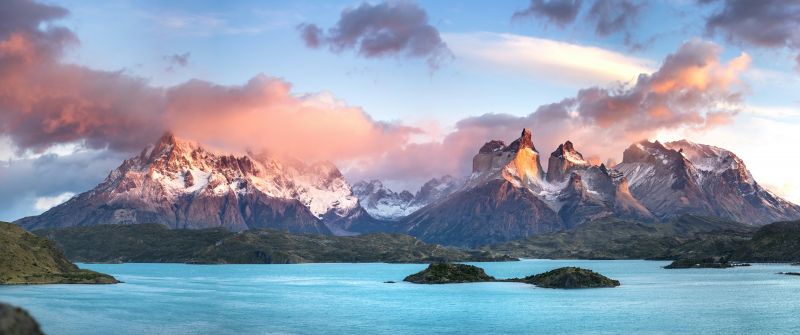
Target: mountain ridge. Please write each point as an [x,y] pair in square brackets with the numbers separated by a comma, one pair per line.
[507,196]
[182,185]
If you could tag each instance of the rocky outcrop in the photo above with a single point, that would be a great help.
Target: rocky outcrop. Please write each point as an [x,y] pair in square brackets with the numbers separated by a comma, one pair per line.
[594,192]
[17,321]
[182,185]
[443,273]
[562,161]
[517,163]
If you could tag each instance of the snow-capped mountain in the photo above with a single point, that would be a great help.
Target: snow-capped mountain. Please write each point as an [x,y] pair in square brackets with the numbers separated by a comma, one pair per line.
[685,177]
[385,204]
[508,196]
[182,185]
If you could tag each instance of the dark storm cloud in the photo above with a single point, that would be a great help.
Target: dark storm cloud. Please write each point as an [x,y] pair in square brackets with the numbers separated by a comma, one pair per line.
[612,16]
[764,23]
[385,29]
[558,12]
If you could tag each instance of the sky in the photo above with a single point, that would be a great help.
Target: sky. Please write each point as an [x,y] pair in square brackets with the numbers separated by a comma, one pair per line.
[400,91]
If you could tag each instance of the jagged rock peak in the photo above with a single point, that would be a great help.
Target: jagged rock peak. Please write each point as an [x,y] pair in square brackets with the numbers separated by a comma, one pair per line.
[567,150]
[492,146]
[564,159]
[575,187]
[524,141]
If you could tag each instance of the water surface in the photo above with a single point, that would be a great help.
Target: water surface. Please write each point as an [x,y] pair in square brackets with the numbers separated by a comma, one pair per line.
[352,299]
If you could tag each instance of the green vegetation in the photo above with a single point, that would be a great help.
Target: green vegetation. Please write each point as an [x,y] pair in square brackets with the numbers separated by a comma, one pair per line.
[146,243]
[710,263]
[17,321]
[28,259]
[569,278]
[610,238]
[448,274]
[775,242]
[566,277]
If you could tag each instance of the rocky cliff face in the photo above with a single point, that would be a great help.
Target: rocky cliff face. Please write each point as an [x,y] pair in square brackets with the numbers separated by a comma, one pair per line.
[508,196]
[383,203]
[517,163]
[493,212]
[684,177]
[182,185]
[562,161]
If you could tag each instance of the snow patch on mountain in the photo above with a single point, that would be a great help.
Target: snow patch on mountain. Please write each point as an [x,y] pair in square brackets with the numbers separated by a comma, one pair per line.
[383,203]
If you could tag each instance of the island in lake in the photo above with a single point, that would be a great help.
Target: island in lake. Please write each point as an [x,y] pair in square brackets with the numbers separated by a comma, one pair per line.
[565,277]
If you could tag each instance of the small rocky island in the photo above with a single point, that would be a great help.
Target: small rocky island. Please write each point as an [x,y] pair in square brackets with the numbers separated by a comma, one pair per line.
[570,277]
[566,277]
[704,263]
[446,273]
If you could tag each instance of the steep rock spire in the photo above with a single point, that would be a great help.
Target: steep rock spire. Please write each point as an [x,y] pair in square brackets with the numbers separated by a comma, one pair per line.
[564,159]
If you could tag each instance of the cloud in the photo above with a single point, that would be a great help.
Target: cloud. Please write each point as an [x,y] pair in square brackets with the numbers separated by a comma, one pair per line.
[763,23]
[48,176]
[45,203]
[44,102]
[612,16]
[539,57]
[205,25]
[264,114]
[174,60]
[558,12]
[692,91]
[385,29]
[178,59]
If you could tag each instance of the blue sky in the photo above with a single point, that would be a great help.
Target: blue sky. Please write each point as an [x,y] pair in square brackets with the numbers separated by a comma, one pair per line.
[500,66]
[230,42]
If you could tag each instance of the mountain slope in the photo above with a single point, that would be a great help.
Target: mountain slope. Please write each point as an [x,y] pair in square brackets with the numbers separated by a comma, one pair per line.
[385,204]
[182,185]
[493,212]
[28,259]
[508,196]
[611,238]
[684,177]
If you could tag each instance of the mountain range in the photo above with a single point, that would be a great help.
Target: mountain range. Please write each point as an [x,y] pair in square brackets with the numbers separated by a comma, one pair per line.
[507,196]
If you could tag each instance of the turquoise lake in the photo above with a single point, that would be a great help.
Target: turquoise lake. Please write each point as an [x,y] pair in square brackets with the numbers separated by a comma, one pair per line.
[353,299]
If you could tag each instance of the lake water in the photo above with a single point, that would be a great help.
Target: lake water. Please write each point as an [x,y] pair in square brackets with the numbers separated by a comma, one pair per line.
[352,299]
